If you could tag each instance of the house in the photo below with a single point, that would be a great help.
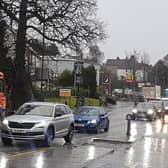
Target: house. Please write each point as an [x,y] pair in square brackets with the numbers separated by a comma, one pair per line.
[53,65]
[124,73]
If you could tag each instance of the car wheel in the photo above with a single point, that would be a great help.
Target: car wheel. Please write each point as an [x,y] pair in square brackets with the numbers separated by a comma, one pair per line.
[107,127]
[49,137]
[133,117]
[151,119]
[6,141]
[68,138]
[97,129]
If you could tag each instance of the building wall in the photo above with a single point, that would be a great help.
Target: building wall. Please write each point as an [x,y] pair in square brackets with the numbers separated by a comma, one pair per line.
[59,65]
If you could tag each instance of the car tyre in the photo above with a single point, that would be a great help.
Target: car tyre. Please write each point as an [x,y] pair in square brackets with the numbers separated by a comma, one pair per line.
[49,137]
[133,117]
[68,138]
[107,127]
[97,129]
[6,141]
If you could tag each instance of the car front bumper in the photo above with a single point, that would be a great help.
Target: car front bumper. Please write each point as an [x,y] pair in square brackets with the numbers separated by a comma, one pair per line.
[26,135]
[143,116]
[86,127]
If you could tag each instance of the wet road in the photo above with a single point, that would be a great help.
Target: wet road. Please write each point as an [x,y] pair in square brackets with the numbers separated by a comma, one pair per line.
[149,149]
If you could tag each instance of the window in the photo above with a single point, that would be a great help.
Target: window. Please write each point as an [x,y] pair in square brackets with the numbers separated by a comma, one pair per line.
[60,110]
[102,112]
[68,110]
[35,109]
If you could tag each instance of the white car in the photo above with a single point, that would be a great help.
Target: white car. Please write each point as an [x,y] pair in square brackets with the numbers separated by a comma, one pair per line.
[39,121]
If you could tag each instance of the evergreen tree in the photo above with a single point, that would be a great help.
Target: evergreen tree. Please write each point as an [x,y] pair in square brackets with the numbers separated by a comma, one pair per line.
[89,80]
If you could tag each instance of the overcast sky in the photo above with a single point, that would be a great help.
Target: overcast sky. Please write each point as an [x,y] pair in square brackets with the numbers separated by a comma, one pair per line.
[135,24]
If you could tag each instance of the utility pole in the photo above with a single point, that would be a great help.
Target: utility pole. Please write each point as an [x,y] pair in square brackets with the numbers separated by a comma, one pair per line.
[42,59]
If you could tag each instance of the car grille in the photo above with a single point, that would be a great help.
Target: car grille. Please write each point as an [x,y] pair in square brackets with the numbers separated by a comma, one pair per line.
[23,134]
[141,114]
[20,125]
[28,133]
[81,121]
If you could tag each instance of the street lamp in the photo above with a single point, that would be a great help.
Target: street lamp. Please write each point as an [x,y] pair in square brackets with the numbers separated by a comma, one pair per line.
[78,68]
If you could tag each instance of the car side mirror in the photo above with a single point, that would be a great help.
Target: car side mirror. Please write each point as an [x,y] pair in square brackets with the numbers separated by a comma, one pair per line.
[58,115]
[13,112]
[101,115]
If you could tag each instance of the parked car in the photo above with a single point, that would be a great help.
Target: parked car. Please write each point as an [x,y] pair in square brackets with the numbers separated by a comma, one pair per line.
[144,110]
[39,121]
[91,118]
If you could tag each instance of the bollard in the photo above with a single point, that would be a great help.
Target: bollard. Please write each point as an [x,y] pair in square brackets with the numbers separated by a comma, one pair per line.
[128,118]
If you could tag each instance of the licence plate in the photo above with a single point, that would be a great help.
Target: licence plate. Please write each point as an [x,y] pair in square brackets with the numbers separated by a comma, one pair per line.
[141,114]
[18,131]
[79,125]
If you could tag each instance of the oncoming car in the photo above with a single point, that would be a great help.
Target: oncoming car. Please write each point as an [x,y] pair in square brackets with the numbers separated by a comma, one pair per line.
[144,110]
[39,121]
[159,107]
[91,118]
[165,104]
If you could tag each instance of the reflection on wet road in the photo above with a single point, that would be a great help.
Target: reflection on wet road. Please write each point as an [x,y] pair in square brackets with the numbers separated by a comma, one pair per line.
[151,150]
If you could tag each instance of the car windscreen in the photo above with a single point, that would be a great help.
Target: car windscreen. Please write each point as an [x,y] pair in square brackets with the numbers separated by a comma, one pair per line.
[145,105]
[39,110]
[165,102]
[88,111]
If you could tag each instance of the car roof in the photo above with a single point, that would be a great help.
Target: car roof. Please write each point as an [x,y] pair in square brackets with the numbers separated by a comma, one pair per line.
[44,103]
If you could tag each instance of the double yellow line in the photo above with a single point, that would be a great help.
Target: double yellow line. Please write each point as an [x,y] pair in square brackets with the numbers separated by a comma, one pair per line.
[21,154]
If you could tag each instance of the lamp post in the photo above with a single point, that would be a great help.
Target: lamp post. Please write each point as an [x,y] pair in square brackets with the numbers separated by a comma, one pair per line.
[42,59]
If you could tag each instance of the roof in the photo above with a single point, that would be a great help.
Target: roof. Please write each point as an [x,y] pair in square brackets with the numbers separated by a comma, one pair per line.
[125,63]
[44,103]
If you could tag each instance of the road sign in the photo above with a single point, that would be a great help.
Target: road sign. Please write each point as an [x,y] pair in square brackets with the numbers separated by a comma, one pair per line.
[106,79]
[65,92]
[129,77]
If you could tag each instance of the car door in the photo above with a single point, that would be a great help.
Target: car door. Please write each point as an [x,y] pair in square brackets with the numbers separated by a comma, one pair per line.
[103,118]
[60,119]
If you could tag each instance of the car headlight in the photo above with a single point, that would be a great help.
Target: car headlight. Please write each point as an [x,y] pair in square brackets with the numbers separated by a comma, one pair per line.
[134,110]
[92,122]
[150,111]
[40,124]
[5,122]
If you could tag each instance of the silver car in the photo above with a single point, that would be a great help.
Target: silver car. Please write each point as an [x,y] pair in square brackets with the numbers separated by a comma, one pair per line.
[39,121]
[144,110]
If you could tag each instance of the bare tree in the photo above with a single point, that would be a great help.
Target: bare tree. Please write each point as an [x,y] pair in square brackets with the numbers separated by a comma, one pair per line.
[141,56]
[69,23]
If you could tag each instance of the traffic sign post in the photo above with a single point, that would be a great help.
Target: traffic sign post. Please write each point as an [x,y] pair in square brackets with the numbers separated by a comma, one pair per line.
[78,69]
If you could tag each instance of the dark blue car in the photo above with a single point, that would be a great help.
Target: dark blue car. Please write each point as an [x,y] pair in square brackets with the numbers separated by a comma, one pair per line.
[91,118]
